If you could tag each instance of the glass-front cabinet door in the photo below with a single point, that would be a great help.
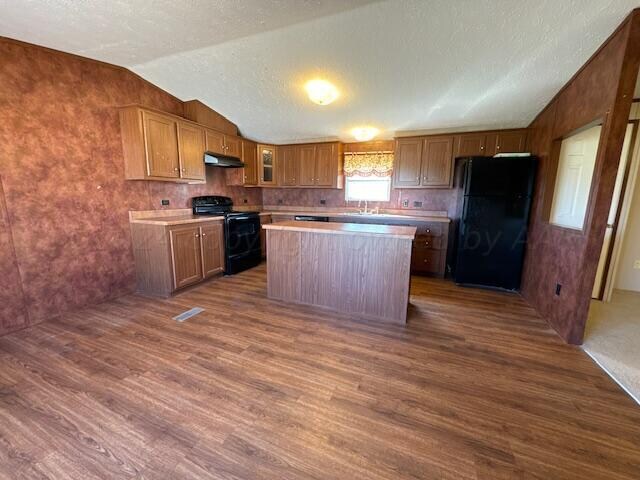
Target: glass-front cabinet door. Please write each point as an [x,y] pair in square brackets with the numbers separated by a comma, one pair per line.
[267,164]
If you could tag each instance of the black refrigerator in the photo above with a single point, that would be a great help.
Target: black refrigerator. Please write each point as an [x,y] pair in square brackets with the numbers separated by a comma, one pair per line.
[495,200]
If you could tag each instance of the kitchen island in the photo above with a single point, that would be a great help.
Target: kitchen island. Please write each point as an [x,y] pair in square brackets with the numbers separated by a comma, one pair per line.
[358,269]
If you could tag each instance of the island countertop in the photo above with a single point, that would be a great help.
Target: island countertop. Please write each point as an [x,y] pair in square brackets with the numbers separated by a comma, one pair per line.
[357,229]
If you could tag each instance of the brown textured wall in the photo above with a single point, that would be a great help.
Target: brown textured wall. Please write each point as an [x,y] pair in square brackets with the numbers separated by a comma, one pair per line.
[602,89]
[432,199]
[61,167]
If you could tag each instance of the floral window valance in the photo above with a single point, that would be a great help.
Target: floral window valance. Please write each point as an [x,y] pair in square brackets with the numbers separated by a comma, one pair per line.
[379,164]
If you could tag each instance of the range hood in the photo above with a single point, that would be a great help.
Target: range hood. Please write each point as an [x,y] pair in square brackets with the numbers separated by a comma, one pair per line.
[216,160]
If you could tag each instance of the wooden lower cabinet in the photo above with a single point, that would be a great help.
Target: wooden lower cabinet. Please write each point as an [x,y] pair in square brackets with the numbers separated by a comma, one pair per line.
[186,258]
[429,253]
[212,249]
[169,258]
[264,220]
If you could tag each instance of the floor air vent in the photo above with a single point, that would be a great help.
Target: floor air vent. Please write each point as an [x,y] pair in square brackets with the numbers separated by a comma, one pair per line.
[188,314]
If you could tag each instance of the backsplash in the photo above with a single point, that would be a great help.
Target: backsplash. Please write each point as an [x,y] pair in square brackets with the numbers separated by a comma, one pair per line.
[179,195]
[427,199]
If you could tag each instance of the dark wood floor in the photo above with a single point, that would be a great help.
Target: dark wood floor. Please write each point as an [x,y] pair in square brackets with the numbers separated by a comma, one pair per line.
[475,387]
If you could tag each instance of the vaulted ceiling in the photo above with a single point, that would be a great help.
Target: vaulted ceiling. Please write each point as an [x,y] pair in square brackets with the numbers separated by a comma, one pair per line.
[401,65]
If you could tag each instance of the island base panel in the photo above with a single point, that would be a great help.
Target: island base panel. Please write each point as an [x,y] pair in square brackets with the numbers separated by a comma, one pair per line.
[368,276]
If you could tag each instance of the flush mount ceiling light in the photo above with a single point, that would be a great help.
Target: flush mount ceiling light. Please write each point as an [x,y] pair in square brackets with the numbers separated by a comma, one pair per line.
[321,92]
[364,134]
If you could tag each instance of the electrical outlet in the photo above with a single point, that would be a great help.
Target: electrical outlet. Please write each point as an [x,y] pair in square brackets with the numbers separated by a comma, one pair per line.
[558,288]
[636,264]
[164,202]
[405,203]
[244,200]
[323,202]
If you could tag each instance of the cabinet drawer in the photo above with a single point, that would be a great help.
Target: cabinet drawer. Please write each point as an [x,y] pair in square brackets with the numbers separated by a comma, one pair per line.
[432,242]
[432,229]
[424,260]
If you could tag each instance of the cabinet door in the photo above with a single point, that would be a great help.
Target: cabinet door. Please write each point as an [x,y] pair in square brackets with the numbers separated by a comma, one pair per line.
[407,162]
[232,146]
[161,145]
[437,161]
[186,256]
[511,142]
[250,159]
[306,155]
[326,165]
[490,144]
[287,165]
[191,151]
[470,145]
[212,244]
[214,141]
[425,260]
[267,165]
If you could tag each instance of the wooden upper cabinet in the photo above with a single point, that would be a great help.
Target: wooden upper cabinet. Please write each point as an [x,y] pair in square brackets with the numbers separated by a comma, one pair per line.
[212,249]
[214,141]
[408,161]
[186,256]
[233,146]
[267,165]
[161,145]
[306,155]
[326,165]
[437,161]
[287,165]
[158,146]
[470,145]
[248,175]
[218,142]
[250,159]
[191,151]
[514,141]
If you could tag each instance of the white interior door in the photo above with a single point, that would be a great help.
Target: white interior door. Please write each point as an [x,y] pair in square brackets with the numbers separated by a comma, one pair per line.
[573,182]
[613,212]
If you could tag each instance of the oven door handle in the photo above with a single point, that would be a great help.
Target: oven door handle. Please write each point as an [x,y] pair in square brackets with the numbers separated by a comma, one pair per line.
[246,217]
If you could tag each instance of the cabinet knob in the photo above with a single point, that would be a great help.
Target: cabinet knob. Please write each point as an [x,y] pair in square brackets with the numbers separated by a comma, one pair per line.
[184,169]
[426,261]
[204,234]
[175,169]
[481,148]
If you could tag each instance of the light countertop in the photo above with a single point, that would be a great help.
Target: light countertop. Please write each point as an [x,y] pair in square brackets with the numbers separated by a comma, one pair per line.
[359,217]
[175,220]
[357,229]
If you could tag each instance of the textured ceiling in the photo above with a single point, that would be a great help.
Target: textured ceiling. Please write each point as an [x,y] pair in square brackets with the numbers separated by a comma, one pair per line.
[128,32]
[401,65]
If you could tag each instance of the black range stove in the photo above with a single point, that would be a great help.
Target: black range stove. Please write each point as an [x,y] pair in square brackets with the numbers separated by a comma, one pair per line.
[241,232]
